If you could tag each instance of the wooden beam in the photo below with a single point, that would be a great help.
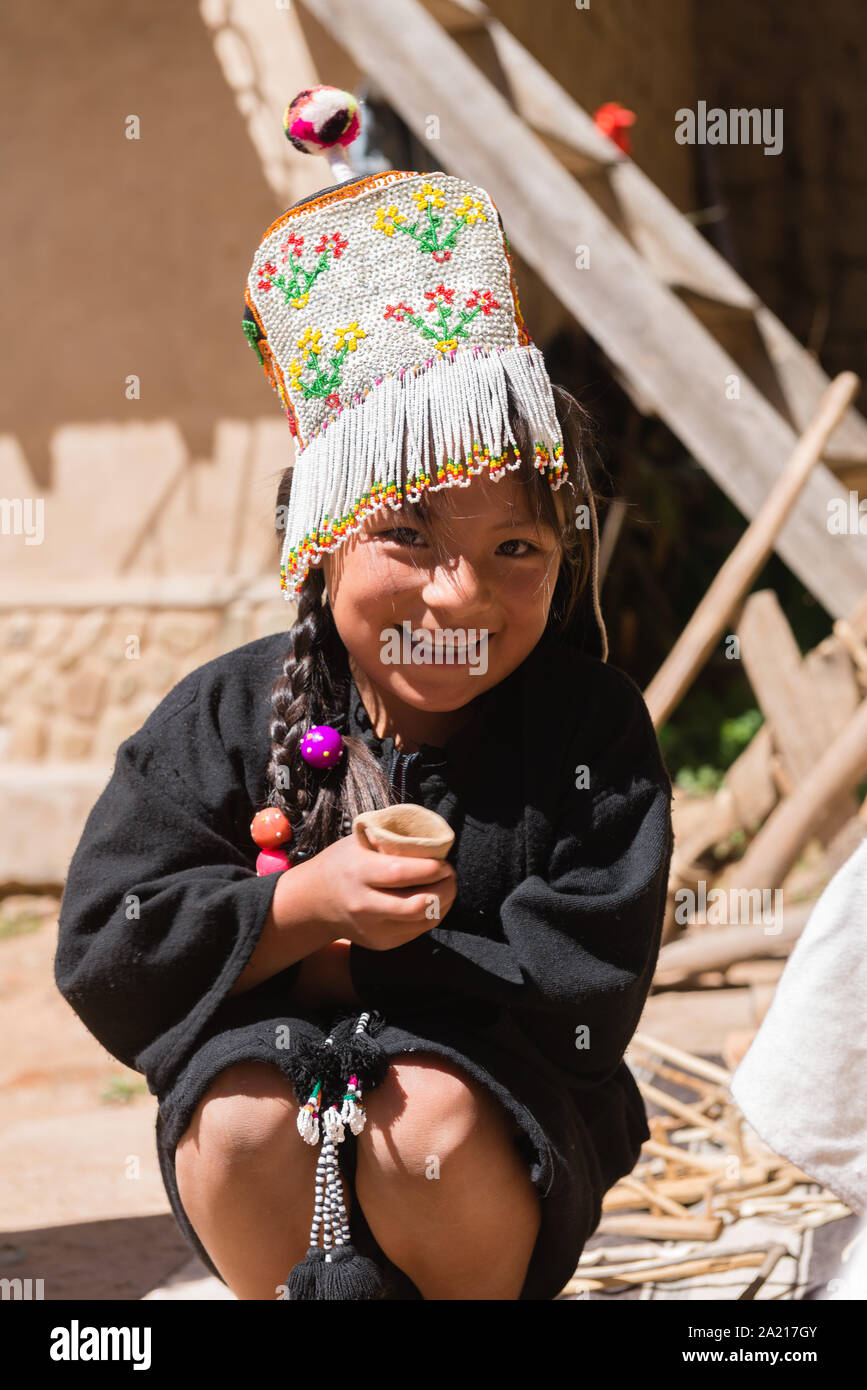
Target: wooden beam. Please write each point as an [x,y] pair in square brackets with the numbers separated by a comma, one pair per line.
[637,321]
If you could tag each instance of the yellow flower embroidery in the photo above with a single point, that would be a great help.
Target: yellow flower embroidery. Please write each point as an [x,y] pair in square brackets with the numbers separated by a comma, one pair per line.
[302,299]
[446,344]
[310,341]
[387,218]
[295,370]
[349,336]
[428,192]
[470,210]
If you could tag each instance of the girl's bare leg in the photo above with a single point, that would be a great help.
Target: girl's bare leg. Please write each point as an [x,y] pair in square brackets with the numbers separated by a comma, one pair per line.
[445,1193]
[245,1179]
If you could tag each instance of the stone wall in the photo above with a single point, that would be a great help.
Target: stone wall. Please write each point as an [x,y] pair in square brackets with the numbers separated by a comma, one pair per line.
[75,684]
[78,675]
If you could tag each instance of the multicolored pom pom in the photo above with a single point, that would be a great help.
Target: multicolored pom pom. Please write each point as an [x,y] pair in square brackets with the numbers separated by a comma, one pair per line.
[322,746]
[320,117]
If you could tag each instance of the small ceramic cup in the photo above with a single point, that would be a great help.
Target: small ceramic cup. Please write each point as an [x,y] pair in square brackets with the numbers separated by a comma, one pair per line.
[406,829]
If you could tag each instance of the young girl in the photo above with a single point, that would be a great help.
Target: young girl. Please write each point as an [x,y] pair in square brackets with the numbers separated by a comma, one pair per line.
[503,983]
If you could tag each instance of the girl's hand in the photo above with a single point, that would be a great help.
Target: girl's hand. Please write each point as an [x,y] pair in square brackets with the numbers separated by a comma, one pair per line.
[380,900]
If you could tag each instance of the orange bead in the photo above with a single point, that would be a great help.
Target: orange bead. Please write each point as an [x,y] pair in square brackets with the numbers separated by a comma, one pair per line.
[270,828]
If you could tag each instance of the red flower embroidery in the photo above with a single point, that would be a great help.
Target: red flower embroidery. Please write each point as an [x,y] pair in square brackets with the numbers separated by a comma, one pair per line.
[397,311]
[439,296]
[295,242]
[339,244]
[333,399]
[441,256]
[485,301]
[268,269]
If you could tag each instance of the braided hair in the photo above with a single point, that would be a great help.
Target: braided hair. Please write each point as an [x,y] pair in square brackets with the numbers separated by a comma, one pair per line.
[313,687]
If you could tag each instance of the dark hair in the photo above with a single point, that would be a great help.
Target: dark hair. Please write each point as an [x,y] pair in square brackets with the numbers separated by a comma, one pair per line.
[314,686]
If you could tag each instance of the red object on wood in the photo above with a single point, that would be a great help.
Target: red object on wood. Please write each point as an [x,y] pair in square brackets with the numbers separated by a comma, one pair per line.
[614,120]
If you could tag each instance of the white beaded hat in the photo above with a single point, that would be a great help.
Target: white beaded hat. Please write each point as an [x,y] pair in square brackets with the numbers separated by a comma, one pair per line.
[385,313]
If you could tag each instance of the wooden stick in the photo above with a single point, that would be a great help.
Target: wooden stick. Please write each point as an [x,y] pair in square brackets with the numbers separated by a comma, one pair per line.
[686,1190]
[706,1163]
[709,1070]
[774,1255]
[766,1189]
[685,1269]
[686,1112]
[696,642]
[661,1227]
[724,946]
[708,1092]
[852,642]
[652,1196]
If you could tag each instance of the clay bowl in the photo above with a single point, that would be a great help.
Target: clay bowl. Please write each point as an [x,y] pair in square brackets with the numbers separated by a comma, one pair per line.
[406,829]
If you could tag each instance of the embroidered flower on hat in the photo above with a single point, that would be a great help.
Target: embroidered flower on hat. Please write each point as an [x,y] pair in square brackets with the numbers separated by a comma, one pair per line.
[401,380]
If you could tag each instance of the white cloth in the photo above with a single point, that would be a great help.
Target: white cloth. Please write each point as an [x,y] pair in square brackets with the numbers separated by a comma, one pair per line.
[802,1085]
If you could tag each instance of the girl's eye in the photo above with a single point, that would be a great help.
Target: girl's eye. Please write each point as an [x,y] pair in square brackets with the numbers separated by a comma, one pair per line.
[515,541]
[397,532]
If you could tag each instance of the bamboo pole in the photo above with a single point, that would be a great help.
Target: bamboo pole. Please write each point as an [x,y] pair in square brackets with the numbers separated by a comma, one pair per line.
[693,647]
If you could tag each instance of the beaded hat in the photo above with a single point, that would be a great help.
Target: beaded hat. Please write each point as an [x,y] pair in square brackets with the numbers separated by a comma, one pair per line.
[385,313]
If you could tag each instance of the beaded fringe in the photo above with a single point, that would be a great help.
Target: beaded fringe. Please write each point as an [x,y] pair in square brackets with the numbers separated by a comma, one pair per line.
[335,1269]
[453,408]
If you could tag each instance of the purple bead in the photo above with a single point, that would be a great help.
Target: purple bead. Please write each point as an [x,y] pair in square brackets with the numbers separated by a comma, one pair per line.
[322,746]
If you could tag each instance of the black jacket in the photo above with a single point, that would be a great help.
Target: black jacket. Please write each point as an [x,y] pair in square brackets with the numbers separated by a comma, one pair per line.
[546,957]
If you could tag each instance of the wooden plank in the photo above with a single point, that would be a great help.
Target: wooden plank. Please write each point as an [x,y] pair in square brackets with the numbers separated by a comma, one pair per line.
[788,828]
[637,321]
[773,663]
[806,701]
[750,781]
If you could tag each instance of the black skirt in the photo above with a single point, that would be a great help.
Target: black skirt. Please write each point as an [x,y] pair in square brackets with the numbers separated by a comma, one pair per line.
[558,1144]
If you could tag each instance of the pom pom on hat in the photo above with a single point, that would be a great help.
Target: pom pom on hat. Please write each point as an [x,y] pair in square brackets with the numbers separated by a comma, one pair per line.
[320,117]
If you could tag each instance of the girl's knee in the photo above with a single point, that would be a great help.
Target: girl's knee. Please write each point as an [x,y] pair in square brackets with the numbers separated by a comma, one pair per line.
[428,1106]
[249,1108]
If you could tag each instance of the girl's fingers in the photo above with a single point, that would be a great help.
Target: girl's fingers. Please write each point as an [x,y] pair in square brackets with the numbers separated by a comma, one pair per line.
[408,903]
[394,872]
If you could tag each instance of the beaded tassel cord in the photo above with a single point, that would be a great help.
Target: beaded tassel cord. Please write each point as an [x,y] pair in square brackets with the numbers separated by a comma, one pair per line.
[334,1269]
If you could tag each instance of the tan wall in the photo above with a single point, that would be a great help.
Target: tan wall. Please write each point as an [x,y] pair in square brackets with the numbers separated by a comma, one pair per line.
[75,682]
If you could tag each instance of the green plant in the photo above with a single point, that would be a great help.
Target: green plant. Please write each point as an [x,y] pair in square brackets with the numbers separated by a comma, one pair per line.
[121,1090]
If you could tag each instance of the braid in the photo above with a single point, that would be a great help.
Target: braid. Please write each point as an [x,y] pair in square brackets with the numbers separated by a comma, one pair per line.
[313,689]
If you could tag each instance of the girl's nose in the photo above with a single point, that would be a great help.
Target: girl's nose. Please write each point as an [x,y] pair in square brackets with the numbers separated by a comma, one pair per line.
[460,589]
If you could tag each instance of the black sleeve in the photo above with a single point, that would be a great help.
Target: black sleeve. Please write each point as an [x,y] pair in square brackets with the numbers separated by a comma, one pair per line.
[162,907]
[573,952]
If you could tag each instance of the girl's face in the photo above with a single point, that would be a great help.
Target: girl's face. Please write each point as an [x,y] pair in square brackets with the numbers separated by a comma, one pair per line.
[494,572]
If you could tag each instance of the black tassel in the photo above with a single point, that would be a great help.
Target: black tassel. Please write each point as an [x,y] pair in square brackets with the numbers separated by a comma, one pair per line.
[351,1276]
[304,1281]
[311,1061]
[360,1053]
